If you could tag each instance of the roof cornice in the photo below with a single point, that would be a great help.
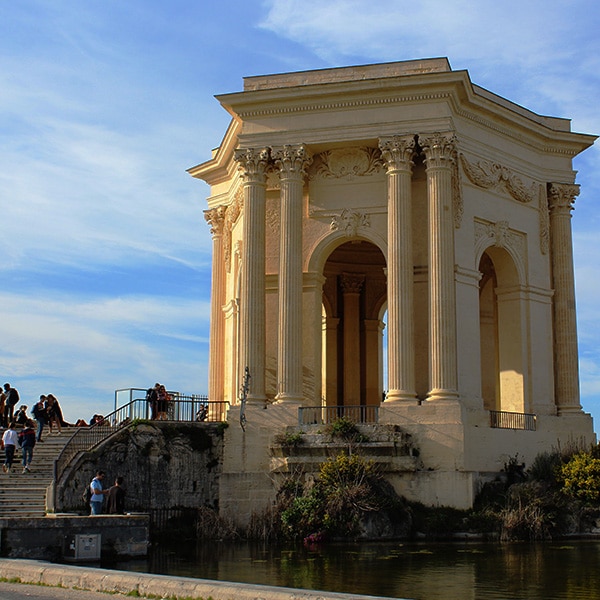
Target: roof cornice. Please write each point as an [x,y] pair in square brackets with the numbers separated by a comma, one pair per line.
[219,167]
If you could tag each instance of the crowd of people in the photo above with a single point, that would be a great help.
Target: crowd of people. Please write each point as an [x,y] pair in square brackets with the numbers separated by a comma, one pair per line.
[25,430]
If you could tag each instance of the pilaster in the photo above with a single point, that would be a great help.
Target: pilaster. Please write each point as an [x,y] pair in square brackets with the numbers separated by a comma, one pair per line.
[215,217]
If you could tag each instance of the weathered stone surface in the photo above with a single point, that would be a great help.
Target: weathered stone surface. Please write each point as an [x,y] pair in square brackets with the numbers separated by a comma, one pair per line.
[46,538]
[164,465]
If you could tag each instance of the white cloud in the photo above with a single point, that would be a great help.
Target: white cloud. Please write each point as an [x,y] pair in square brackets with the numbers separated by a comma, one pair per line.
[100,345]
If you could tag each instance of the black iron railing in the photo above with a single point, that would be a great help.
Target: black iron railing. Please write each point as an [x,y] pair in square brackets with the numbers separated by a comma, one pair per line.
[180,408]
[318,415]
[501,419]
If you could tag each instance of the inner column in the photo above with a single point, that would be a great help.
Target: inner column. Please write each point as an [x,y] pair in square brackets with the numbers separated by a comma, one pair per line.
[351,286]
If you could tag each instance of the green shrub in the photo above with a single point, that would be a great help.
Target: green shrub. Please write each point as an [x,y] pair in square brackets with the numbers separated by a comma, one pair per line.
[546,467]
[346,429]
[347,487]
[289,439]
[580,477]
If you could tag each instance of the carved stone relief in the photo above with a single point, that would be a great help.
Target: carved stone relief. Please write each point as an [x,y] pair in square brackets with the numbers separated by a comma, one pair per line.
[346,163]
[231,216]
[500,234]
[544,221]
[349,222]
[272,218]
[491,175]
[457,199]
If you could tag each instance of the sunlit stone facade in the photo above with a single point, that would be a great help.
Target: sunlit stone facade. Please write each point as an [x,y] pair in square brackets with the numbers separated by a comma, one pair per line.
[399,207]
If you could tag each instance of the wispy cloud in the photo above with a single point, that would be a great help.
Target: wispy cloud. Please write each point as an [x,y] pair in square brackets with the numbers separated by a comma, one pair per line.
[104,253]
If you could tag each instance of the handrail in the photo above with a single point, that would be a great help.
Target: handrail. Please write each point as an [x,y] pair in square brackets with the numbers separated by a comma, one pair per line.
[321,415]
[502,419]
[181,408]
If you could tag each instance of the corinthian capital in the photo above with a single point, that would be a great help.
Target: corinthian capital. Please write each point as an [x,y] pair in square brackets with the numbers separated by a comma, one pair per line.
[352,283]
[291,161]
[215,217]
[561,196]
[253,163]
[439,149]
[397,152]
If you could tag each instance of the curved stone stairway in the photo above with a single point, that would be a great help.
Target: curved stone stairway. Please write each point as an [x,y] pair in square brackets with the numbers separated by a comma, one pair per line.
[24,494]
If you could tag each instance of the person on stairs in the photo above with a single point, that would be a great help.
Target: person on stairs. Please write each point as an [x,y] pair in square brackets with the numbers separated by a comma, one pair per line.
[27,442]
[39,414]
[9,443]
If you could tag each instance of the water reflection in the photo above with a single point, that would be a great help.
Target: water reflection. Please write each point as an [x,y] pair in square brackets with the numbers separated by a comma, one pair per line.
[474,571]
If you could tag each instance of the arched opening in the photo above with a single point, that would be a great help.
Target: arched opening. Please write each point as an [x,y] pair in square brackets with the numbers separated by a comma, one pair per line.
[501,333]
[354,297]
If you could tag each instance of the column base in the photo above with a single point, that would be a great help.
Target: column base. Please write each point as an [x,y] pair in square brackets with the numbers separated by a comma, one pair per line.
[442,396]
[287,398]
[565,411]
[401,396]
[250,399]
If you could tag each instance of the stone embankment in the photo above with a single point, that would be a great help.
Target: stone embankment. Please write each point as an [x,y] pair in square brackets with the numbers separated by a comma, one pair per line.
[155,586]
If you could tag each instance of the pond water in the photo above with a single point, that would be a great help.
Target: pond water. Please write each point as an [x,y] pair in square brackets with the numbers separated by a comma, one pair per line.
[420,571]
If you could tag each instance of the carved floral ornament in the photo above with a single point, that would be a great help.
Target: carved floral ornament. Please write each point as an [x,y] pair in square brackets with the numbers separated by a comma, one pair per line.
[500,235]
[493,175]
[349,222]
[347,163]
[231,216]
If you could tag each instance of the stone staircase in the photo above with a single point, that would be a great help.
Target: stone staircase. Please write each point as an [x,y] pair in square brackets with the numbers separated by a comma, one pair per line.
[24,494]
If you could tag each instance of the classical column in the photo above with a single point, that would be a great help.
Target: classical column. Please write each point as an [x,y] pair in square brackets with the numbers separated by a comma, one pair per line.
[215,217]
[398,152]
[351,286]
[439,150]
[253,164]
[330,351]
[291,162]
[566,368]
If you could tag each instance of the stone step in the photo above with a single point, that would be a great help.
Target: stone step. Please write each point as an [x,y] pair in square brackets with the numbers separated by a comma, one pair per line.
[24,494]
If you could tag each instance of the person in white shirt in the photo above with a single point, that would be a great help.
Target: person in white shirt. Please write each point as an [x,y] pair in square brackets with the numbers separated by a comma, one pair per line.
[10,439]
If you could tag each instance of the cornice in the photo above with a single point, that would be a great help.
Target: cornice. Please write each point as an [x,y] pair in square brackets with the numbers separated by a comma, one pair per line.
[467,101]
[220,167]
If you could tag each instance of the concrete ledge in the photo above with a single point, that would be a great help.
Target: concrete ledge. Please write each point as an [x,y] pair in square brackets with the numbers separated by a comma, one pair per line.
[144,584]
[45,538]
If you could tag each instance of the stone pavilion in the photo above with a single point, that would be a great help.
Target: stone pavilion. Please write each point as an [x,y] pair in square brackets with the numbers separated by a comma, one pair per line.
[395,237]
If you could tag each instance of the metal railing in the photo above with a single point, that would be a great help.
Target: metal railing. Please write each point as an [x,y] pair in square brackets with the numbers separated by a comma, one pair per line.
[180,408]
[321,415]
[501,419]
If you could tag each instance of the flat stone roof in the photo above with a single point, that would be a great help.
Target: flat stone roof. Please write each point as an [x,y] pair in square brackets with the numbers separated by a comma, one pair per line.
[341,74]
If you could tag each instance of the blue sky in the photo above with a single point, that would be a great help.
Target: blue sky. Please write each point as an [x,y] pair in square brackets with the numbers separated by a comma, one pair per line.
[104,252]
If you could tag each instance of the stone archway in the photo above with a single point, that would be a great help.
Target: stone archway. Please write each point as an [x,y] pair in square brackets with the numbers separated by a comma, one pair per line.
[503,360]
[353,294]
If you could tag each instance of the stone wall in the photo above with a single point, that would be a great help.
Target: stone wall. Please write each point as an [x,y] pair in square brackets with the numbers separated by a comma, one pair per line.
[49,538]
[164,465]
